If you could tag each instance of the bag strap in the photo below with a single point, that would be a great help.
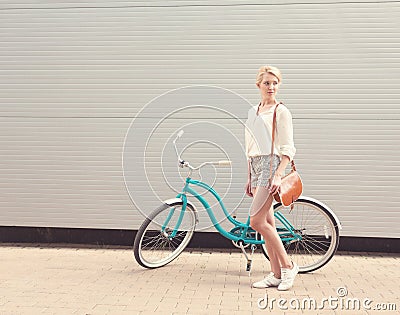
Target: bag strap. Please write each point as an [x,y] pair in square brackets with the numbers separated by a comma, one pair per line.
[272,143]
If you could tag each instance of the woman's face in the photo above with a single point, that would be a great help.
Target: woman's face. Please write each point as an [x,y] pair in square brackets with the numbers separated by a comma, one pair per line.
[269,86]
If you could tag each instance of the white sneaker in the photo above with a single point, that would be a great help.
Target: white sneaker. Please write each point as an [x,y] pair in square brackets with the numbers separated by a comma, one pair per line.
[288,276]
[269,281]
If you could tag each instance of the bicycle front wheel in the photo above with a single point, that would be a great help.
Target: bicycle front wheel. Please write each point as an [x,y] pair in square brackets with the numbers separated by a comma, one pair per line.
[164,235]
[317,232]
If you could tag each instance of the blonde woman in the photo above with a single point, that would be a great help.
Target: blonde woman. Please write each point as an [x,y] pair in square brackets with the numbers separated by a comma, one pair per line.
[258,148]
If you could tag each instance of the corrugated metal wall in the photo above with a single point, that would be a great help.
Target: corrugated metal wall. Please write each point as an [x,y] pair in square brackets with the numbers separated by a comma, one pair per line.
[73,75]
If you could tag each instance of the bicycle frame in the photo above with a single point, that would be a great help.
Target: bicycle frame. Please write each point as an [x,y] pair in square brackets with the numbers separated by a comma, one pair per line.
[288,231]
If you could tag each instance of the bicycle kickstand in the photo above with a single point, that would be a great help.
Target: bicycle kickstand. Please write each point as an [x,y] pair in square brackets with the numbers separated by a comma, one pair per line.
[249,260]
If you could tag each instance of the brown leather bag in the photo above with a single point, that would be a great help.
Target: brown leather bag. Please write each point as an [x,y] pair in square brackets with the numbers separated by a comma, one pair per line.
[291,187]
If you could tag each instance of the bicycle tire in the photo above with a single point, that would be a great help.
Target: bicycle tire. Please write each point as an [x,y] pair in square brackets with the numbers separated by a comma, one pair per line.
[313,251]
[158,241]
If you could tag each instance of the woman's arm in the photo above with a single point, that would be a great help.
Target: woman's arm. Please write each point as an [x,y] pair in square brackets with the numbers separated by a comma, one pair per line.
[248,184]
[284,134]
[285,146]
[280,171]
[247,137]
[248,171]
[277,178]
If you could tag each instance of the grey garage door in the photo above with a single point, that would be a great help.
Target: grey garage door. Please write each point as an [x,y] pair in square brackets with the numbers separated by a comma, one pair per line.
[74,75]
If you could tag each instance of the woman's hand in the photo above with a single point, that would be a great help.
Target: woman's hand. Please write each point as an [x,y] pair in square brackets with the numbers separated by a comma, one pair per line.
[275,184]
[248,189]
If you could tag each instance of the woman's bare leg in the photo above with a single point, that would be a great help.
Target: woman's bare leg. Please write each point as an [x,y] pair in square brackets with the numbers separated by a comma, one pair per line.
[263,221]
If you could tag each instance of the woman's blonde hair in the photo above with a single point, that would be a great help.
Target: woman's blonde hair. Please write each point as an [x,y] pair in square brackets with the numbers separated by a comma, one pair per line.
[268,69]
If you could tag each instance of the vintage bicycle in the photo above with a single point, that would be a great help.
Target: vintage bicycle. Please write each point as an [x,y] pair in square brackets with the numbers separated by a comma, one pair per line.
[309,231]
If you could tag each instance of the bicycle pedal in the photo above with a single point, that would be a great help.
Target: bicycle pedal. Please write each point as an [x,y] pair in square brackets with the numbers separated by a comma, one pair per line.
[248,266]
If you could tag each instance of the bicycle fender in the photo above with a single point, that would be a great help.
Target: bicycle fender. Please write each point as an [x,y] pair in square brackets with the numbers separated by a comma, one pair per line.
[175,200]
[324,206]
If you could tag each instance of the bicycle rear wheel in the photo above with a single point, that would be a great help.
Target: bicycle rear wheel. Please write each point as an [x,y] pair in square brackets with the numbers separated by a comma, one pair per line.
[154,245]
[318,231]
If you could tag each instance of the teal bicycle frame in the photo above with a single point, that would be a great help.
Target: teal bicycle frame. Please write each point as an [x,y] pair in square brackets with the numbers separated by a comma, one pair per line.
[287,233]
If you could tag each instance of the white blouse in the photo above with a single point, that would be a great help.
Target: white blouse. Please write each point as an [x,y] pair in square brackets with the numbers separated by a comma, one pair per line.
[258,132]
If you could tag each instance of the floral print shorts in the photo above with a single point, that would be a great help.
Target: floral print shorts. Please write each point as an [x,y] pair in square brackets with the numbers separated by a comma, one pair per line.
[260,169]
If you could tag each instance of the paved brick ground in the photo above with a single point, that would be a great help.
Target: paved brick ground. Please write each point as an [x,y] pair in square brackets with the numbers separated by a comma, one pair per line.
[59,280]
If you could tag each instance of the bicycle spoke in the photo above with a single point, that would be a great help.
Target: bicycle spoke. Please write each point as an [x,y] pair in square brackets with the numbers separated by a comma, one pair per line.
[154,246]
[314,231]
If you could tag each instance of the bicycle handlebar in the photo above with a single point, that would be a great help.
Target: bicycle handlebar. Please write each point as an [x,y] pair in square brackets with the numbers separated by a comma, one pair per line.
[183,163]
[225,163]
